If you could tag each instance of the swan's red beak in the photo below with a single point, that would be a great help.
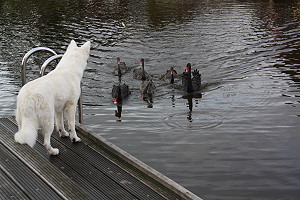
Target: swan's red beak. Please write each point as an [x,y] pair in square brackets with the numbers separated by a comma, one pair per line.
[143,95]
[119,62]
[171,71]
[115,100]
[186,69]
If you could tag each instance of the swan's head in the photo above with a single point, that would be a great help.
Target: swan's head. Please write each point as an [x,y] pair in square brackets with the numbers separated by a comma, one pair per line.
[172,71]
[118,60]
[142,61]
[188,67]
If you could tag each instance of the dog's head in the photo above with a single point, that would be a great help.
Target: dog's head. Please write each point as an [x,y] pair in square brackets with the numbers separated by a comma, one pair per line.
[75,56]
[84,49]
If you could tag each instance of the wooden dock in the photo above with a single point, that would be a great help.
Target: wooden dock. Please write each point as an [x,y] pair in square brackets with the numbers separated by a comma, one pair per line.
[91,169]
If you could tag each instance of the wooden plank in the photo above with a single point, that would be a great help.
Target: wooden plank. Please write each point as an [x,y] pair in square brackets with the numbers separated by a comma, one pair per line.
[48,173]
[108,172]
[77,166]
[23,178]
[92,171]
[99,169]
[9,188]
[150,177]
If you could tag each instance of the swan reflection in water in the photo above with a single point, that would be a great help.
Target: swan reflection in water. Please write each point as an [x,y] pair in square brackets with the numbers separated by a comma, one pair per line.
[147,91]
[118,99]
[147,86]
[190,98]
[118,112]
[150,103]
[120,91]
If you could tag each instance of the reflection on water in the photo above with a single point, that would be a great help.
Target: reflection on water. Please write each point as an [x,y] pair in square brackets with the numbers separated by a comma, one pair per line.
[118,112]
[238,140]
[189,98]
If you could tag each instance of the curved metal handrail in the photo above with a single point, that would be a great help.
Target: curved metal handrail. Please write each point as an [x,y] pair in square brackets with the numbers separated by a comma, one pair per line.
[48,61]
[27,55]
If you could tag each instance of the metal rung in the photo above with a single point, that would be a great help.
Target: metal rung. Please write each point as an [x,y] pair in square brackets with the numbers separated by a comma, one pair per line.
[27,55]
[48,61]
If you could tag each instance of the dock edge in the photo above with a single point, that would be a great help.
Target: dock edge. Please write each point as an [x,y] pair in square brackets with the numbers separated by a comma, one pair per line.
[152,173]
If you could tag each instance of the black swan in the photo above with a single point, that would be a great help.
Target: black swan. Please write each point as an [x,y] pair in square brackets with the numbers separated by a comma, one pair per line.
[120,92]
[171,74]
[147,89]
[122,68]
[140,73]
[190,84]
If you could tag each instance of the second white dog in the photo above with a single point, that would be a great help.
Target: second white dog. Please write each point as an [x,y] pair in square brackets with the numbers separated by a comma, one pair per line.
[42,100]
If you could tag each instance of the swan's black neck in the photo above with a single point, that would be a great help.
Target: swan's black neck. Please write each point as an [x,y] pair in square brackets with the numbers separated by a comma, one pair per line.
[143,72]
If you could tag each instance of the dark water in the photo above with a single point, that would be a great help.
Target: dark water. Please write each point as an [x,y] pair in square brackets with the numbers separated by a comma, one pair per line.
[239,141]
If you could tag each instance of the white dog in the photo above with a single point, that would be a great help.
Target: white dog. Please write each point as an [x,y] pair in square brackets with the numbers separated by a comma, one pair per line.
[42,100]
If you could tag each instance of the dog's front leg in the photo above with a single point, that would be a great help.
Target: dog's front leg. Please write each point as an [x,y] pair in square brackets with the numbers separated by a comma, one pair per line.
[71,111]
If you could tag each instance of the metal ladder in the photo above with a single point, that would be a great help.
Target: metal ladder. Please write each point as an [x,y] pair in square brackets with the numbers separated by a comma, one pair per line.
[43,69]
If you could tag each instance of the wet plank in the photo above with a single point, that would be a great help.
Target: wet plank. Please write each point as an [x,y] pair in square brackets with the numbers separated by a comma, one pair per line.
[91,169]
[34,173]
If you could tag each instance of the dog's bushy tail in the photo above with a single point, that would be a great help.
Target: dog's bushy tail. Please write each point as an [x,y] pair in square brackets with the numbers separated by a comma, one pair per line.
[27,134]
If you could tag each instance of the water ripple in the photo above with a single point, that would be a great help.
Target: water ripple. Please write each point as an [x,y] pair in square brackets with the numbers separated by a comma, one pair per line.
[239,140]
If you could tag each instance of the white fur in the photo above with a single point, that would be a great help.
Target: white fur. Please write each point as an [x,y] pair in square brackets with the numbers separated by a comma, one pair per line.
[42,100]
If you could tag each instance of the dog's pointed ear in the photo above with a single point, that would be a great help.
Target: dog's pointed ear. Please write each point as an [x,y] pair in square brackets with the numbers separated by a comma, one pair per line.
[86,46]
[72,45]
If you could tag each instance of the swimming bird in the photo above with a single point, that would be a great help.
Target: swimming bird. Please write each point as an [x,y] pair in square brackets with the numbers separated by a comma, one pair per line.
[190,84]
[120,92]
[170,75]
[122,68]
[140,73]
[147,89]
